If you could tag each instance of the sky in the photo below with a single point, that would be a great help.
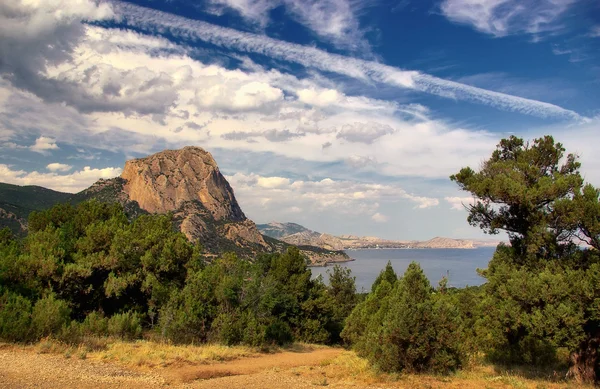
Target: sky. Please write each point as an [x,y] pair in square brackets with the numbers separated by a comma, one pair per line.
[346,116]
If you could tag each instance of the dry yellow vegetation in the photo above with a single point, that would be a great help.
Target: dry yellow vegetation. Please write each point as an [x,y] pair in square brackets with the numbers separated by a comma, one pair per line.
[298,366]
[148,353]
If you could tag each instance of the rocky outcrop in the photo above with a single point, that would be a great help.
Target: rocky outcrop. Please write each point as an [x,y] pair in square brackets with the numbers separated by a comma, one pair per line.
[12,221]
[188,183]
[164,181]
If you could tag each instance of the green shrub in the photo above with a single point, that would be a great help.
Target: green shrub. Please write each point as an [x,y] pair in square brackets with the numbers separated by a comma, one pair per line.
[95,324]
[278,332]
[15,317]
[125,325]
[407,329]
[254,331]
[49,315]
[227,328]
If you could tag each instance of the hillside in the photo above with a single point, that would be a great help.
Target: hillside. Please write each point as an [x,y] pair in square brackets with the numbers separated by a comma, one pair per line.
[279,230]
[17,202]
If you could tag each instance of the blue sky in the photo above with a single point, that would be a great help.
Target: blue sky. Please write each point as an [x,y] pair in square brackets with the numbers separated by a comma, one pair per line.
[346,116]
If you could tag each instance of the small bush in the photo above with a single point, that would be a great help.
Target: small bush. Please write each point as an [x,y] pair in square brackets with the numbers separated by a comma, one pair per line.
[278,332]
[227,329]
[15,317]
[49,316]
[95,324]
[125,325]
[254,332]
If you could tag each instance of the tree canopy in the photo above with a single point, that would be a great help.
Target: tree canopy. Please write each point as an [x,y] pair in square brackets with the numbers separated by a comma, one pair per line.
[542,291]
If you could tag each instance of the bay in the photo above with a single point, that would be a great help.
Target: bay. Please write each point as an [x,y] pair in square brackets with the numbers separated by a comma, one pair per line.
[459,265]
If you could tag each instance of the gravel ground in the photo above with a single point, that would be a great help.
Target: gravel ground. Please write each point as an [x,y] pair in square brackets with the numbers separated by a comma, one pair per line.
[27,369]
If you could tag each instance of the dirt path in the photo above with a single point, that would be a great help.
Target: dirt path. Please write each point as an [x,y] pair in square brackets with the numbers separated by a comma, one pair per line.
[253,372]
[24,368]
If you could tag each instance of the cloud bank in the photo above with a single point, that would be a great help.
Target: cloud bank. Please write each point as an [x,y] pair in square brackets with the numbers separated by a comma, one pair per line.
[193,30]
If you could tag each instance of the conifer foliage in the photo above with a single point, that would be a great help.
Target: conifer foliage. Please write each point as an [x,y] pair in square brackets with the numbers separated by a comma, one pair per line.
[407,326]
[542,291]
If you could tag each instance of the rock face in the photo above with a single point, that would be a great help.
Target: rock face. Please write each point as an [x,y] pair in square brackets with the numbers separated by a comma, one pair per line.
[188,183]
[163,182]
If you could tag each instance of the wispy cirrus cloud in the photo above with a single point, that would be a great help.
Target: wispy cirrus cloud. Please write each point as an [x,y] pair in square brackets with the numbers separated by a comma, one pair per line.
[334,21]
[153,21]
[507,17]
[254,11]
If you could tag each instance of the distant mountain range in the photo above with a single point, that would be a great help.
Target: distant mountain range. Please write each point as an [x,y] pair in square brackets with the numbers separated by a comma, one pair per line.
[186,183]
[296,234]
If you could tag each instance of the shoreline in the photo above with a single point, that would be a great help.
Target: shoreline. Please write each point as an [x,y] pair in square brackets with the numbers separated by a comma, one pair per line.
[327,263]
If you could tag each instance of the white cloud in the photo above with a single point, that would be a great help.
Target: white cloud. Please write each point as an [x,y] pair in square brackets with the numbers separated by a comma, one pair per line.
[379,218]
[364,132]
[361,161]
[318,98]
[273,182]
[43,144]
[232,95]
[59,167]
[37,34]
[459,203]
[151,20]
[70,183]
[595,32]
[506,17]
[258,194]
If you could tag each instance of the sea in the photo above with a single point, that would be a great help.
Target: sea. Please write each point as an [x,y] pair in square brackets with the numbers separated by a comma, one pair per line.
[458,265]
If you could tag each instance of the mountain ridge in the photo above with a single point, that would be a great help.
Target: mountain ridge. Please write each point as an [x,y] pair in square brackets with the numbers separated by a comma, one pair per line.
[351,242]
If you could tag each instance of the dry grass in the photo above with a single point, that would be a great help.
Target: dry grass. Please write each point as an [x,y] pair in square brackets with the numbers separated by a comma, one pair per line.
[344,371]
[148,353]
[349,370]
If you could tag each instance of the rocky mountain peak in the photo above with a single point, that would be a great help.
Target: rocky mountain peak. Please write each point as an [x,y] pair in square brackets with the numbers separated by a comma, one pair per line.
[164,181]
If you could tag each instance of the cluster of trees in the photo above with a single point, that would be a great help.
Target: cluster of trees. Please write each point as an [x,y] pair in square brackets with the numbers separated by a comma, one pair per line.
[88,270]
[542,293]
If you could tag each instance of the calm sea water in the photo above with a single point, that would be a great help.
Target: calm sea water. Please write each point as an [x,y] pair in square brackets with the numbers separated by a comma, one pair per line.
[458,264]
